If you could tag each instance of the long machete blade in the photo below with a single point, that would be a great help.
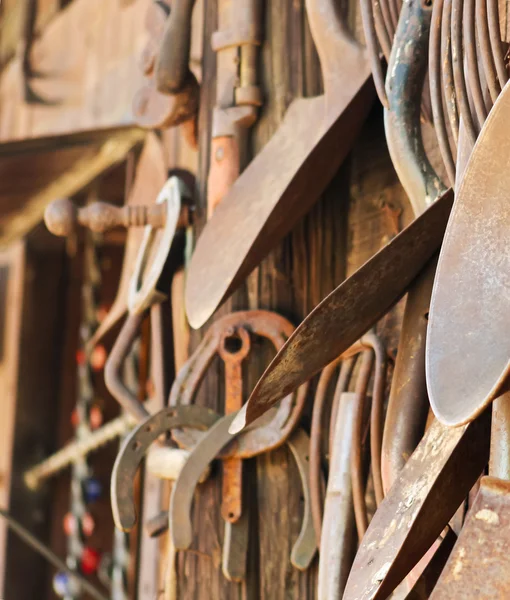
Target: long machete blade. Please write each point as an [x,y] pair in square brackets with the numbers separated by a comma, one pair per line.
[349,310]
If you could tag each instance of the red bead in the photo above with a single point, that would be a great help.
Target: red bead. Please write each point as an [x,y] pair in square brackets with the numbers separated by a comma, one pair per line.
[98,358]
[95,417]
[87,524]
[89,560]
[75,419]
[81,358]
[69,524]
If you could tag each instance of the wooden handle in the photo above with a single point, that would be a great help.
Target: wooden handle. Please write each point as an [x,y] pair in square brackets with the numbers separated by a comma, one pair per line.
[223,171]
[62,216]
[172,63]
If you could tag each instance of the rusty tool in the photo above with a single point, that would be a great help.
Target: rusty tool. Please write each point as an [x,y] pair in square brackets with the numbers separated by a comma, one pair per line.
[408,403]
[363,298]
[354,306]
[208,448]
[146,291]
[237,94]
[428,491]
[317,430]
[134,448]
[346,489]
[338,540]
[469,311]
[271,432]
[149,178]
[172,63]
[168,44]
[479,563]
[312,141]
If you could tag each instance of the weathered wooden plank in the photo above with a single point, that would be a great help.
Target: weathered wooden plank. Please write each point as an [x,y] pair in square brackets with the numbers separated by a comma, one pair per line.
[12,276]
[86,61]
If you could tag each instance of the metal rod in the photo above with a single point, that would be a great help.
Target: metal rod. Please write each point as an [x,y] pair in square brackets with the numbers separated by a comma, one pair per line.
[482,28]
[473,72]
[436,96]
[495,38]
[447,70]
[458,68]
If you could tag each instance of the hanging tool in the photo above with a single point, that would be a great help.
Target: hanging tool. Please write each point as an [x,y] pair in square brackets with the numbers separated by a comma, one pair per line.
[272,432]
[165,462]
[338,539]
[354,306]
[169,42]
[479,563]
[469,311]
[150,176]
[288,176]
[238,95]
[172,64]
[361,300]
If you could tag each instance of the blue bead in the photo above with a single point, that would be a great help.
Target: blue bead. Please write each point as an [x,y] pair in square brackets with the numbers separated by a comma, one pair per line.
[61,584]
[92,489]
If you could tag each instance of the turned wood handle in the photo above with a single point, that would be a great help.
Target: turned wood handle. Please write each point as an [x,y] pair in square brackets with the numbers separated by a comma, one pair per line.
[62,216]
[172,63]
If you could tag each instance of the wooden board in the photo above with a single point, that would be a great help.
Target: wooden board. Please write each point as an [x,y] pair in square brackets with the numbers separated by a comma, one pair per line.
[12,271]
[86,61]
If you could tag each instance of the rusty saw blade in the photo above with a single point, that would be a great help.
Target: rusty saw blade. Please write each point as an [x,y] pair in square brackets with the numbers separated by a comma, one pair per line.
[350,310]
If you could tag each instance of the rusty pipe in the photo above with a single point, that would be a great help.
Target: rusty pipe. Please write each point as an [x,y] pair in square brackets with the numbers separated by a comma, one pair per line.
[408,402]
[376,414]
[357,471]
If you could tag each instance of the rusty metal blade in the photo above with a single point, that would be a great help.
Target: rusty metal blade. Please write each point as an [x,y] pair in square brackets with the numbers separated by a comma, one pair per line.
[350,310]
[470,308]
[288,176]
[430,488]
[279,186]
[479,566]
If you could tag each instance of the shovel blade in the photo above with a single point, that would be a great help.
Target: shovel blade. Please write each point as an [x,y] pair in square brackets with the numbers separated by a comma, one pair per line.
[278,187]
[479,565]
[470,308]
[350,310]
[430,488]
